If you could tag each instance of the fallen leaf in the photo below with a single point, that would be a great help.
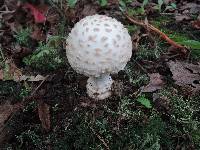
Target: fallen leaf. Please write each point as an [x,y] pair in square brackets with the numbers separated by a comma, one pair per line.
[182,17]
[19,51]
[10,71]
[196,24]
[53,16]
[36,78]
[6,110]
[161,103]
[38,16]
[193,68]
[38,34]
[12,4]
[144,101]
[156,83]
[185,75]
[88,10]
[44,115]
[192,8]
[32,78]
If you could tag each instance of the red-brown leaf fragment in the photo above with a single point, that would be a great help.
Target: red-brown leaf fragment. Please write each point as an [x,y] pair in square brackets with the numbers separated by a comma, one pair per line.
[6,110]
[44,115]
[38,34]
[196,24]
[10,72]
[38,16]
[156,83]
[186,75]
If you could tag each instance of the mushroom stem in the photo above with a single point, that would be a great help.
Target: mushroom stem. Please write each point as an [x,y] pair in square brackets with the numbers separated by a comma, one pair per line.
[99,87]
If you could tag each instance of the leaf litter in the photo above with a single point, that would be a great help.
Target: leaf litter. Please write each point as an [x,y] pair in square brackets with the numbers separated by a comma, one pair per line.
[38,17]
[156,83]
[44,115]
[6,110]
[186,75]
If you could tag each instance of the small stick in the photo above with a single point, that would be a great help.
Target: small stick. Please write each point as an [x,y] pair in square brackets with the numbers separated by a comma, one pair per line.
[2,55]
[152,28]
[32,96]
[143,69]
[39,85]
[100,138]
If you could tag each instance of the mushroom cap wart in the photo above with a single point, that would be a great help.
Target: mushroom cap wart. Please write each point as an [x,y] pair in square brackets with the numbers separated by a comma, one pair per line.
[98,45]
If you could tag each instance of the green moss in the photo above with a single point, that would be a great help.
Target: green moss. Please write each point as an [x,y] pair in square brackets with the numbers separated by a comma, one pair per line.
[184,118]
[161,21]
[23,36]
[47,56]
[135,76]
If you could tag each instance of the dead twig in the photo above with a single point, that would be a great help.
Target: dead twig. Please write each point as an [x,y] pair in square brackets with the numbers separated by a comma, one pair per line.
[33,96]
[141,67]
[100,138]
[33,93]
[148,26]
[6,11]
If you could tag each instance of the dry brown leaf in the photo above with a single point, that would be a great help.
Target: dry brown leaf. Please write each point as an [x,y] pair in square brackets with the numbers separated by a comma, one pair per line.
[196,24]
[10,72]
[12,4]
[38,34]
[192,8]
[182,17]
[44,115]
[53,16]
[89,10]
[162,103]
[31,78]
[156,83]
[186,75]
[193,68]
[6,110]
[15,74]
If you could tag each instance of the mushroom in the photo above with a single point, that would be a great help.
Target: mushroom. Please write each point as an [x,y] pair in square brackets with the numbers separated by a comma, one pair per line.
[98,46]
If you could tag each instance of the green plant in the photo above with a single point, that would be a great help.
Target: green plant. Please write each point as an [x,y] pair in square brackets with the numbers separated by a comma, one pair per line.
[124,109]
[31,106]
[145,2]
[191,43]
[144,101]
[145,51]
[184,119]
[136,77]
[46,56]
[22,36]
[183,109]
[33,138]
[132,28]
[123,4]
[159,5]
[170,6]
[179,37]
[9,89]
[25,91]
[103,2]
[72,3]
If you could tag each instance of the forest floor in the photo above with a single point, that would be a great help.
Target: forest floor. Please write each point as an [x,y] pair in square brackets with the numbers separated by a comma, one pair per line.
[155,102]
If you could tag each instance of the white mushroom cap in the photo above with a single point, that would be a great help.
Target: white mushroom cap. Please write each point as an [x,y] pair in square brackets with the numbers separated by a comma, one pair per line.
[98,45]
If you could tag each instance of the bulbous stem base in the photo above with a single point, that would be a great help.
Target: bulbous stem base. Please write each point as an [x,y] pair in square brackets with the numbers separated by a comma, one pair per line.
[99,87]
